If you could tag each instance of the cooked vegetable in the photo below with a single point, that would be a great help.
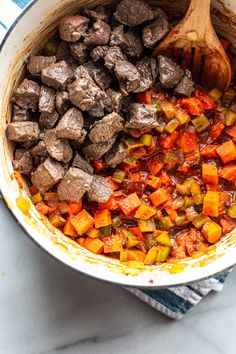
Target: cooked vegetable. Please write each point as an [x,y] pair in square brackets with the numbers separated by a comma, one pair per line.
[231,211]
[230,118]
[211,231]
[227,151]
[118,176]
[69,230]
[130,239]
[93,233]
[50,48]
[153,181]
[147,225]
[193,105]
[211,204]
[228,173]
[113,243]
[94,245]
[154,166]
[23,204]
[209,173]
[162,253]
[151,256]
[215,94]
[164,239]
[159,196]
[146,139]
[201,123]
[82,222]
[129,204]
[144,212]
[102,218]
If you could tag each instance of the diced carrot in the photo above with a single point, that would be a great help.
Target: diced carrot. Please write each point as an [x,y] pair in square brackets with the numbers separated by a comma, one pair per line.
[69,230]
[225,43]
[75,207]
[154,181]
[165,179]
[138,153]
[82,222]
[102,218]
[63,208]
[169,140]
[33,190]
[209,151]
[51,199]
[193,105]
[136,231]
[159,196]
[216,130]
[94,245]
[228,173]
[231,132]
[227,151]
[212,187]
[113,243]
[42,208]
[209,173]
[93,233]
[188,142]
[212,231]
[227,224]
[127,168]
[80,241]
[145,212]
[129,204]
[211,204]
[19,179]
[171,212]
[111,204]
[113,184]
[154,166]
[144,97]
[98,165]
[207,101]
[51,210]
[136,133]
[223,199]
[136,255]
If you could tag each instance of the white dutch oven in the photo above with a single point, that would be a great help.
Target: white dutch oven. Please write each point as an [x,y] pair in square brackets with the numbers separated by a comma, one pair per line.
[28,34]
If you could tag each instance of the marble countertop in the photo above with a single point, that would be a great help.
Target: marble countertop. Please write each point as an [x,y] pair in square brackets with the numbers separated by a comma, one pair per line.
[46,308]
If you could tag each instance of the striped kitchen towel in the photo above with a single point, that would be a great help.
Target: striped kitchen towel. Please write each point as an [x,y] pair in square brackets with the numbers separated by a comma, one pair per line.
[173,302]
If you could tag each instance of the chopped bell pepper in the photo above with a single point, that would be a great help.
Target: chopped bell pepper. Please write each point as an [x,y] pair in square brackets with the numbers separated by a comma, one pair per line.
[36,198]
[23,204]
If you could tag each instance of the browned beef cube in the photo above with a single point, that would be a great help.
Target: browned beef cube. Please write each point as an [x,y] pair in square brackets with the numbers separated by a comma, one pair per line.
[170,73]
[128,76]
[37,63]
[81,163]
[134,46]
[39,149]
[98,74]
[133,13]
[186,85]
[148,69]
[98,35]
[118,37]
[154,32]
[106,128]
[22,132]
[96,151]
[48,120]
[72,27]
[112,56]
[63,51]
[70,125]
[113,101]
[100,191]
[83,92]
[74,185]
[23,161]
[59,149]
[142,116]
[97,14]
[20,114]
[116,155]
[47,99]
[97,111]
[47,174]
[99,52]
[57,75]
[62,102]
[27,94]
[79,51]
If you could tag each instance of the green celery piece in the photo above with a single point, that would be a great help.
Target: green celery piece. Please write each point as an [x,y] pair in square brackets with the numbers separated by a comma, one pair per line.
[230,118]
[107,230]
[188,202]
[50,48]
[147,225]
[165,223]
[116,222]
[201,123]
[150,240]
[164,239]
[162,253]
[172,126]
[150,258]
[181,220]
[200,221]
[231,211]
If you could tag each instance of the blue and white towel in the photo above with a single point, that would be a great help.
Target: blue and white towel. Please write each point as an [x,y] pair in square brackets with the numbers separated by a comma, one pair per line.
[173,302]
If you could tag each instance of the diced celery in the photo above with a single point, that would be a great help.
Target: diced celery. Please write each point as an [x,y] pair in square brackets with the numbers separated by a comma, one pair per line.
[159,215]
[168,109]
[188,202]
[147,225]
[130,141]
[165,223]
[194,188]
[160,129]
[116,222]
[157,105]
[130,239]
[123,256]
[182,117]
[146,139]
[215,94]
[230,118]
[150,240]
[164,239]
[151,256]
[57,221]
[50,48]
[191,214]
[93,233]
[118,176]
[162,253]
[231,211]
[131,161]
[201,123]
[181,220]
[172,125]
[36,198]
[198,198]
[107,230]
[200,221]
[184,188]
[228,96]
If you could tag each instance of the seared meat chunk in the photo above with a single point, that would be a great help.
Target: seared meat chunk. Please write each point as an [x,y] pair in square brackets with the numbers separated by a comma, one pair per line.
[27,94]
[118,37]
[74,185]
[47,175]
[133,13]
[96,151]
[83,92]
[97,14]
[99,52]
[47,99]
[134,46]
[98,35]
[142,116]
[81,163]
[79,51]
[106,128]
[97,111]
[113,101]
[72,27]
[186,85]
[112,56]
[57,75]
[154,32]
[70,125]
[63,51]
[116,155]
[23,161]
[148,69]
[62,101]
[59,149]
[100,191]
[48,120]
[128,76]
[39,149]
[37,63]
[22,132]
[170,73]
[98,74]
[20,114]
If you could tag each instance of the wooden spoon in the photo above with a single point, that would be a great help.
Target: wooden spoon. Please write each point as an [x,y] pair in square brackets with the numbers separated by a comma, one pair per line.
[194,45]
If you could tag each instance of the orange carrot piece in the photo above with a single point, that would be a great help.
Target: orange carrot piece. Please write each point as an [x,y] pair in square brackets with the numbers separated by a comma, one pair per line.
[228,173]
[80,241]
[136,231]
[165,179]
[111,204]
[69,230]
[159,196]
[145,212]
[211,204]
[227,151]
[209,173]
[154,166]
[82,222]
[231,132]
[212,231]
[102,218]
[136,256]
[168,140]
[63,208]
[98,165]
[171,212]
[113,243]
[113,184]
[19,179]
[207,101]
[42,208]
[129,204]
[193,105]
[216,130]
[188,142]
[209,151]
[75,207]
[94,245]
[154,181]
[227,224]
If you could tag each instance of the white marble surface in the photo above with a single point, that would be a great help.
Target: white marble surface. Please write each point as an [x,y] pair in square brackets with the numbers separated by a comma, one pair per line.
[46,308]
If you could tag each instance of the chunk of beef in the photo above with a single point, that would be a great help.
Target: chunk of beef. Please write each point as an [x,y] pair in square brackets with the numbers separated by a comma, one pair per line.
[134,46]
[106,128]
[116,155]
[57,75]
[95,14]
[142,116]
[39,149]
[37,63]
[170,73]
[98,35]
[48,120]
[70,125]
[59,149]
[20,114]
[118,37]
[148,69]
[97,111]
[47,99]
[83,92]
[96,151]
[62,101]
[113,101]
[72,27]
[47,174]
[154,32]
[186,85]
[98,74]
[98,52]
[22,132]
[113,55]
[63,51]
[128,76]
[79,51]
[74,185]
[81,163]
[133,13]
[27,94]
[23,161]
[100,191]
